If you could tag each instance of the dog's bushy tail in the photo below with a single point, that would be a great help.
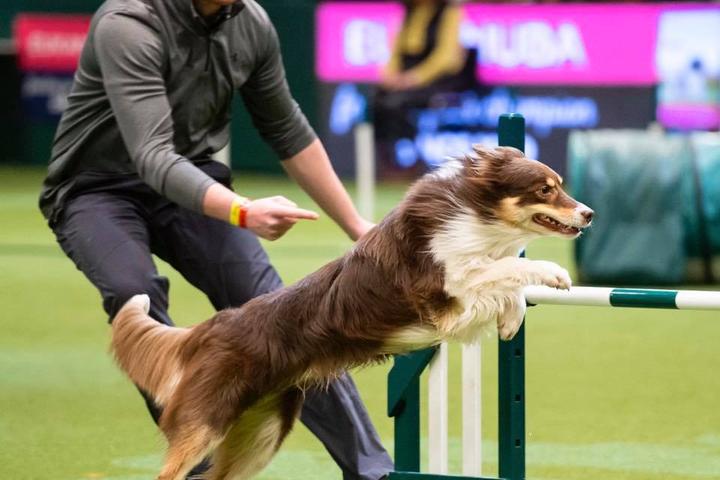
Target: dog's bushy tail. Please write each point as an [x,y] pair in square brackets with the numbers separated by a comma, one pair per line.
[146,350]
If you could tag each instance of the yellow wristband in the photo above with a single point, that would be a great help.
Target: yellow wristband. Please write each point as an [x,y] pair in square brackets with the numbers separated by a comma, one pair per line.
[238,209]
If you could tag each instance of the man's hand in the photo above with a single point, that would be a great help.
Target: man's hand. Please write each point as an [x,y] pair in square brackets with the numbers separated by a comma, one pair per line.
[360,229]
[270,218]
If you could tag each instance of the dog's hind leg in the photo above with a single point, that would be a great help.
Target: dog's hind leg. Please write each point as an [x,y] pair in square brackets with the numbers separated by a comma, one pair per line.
[188,445]
[256,436]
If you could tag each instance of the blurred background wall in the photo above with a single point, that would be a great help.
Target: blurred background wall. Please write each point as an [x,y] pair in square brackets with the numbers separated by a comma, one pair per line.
[330,78]
[27,130]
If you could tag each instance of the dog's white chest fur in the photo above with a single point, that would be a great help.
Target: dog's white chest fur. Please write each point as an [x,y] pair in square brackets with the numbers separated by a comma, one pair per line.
[478,259]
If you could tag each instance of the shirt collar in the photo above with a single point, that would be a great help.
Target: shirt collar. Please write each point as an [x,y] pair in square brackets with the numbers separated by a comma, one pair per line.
[226,13]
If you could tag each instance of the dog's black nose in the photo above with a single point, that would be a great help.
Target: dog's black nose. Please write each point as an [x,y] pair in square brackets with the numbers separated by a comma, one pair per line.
[587,215]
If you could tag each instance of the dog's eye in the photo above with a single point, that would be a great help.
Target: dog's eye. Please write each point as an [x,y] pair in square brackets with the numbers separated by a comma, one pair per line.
[546,190]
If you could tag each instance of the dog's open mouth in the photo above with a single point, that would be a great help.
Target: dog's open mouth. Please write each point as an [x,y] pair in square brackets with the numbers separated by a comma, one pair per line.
[552,224]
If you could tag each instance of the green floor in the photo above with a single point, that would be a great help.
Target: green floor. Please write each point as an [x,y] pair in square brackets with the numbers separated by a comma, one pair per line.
[621,394]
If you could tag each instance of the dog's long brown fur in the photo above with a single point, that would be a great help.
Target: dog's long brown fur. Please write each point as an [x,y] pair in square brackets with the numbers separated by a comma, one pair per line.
[231,386]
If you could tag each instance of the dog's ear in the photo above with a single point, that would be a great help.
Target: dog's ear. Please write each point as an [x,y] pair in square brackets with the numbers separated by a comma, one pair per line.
[483,158]
[482,152]
[471,163]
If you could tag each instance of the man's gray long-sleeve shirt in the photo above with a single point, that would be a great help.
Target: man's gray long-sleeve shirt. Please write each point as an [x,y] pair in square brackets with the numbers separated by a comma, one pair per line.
[152,94]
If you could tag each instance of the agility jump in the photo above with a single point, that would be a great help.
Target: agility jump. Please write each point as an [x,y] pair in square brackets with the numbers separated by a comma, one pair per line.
[404,378]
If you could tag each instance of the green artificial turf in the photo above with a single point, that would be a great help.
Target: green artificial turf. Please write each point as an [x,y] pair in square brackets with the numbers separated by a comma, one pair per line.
[611,394]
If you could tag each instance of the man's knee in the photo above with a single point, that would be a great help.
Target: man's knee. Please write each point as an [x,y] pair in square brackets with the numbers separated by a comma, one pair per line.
[243,281]
[123,289]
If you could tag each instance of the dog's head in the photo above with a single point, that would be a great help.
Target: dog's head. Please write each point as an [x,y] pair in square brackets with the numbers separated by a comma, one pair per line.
[504,187]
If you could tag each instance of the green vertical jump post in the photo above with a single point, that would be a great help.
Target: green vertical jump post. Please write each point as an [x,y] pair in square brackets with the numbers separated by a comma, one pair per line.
[511,355]
[404,406]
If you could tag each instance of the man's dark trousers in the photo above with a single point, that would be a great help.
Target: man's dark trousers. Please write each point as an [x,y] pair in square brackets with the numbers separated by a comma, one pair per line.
[111,236]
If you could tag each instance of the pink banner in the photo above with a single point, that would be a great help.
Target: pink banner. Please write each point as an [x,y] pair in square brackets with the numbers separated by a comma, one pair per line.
[575,44]
[50,43]
[689,117]
[563,44]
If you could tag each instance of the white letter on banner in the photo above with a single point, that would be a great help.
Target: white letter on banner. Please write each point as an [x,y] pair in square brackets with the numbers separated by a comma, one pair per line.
[535,43]
[365,43]
[571,44]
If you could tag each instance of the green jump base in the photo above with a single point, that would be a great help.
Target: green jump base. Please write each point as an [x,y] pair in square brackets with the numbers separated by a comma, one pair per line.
[433,476]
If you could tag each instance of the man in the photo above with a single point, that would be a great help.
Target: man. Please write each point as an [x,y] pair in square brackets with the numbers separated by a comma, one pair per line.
[131,175]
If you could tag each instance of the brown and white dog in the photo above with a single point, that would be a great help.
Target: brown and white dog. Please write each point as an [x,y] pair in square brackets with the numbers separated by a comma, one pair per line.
[443,265]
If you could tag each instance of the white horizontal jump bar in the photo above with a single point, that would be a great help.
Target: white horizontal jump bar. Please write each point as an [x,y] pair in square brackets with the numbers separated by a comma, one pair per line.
[594,296]
[697,300]
[625,297]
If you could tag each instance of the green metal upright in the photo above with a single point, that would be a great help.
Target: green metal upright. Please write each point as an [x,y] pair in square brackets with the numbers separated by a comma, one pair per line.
[511,355]
[404,406]
[407,430]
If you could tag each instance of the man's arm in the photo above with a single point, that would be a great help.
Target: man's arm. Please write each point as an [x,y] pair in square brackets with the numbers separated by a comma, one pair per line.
[283,126]
[312,170]
[130,57]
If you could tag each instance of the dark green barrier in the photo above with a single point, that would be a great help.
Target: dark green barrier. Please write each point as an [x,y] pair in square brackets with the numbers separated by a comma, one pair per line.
[656,198]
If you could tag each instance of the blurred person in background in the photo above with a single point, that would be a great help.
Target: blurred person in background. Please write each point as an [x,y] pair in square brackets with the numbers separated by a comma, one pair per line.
[131,175]
[427,50]
[427,59]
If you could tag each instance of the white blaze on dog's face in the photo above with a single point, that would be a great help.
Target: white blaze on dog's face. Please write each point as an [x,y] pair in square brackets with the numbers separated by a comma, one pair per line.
[503,186]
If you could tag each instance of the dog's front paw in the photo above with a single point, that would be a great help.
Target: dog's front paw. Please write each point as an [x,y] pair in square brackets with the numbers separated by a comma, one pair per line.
[511,318]
[553,275]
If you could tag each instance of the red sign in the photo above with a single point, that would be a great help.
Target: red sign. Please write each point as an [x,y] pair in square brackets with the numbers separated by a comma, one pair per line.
[50,43]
